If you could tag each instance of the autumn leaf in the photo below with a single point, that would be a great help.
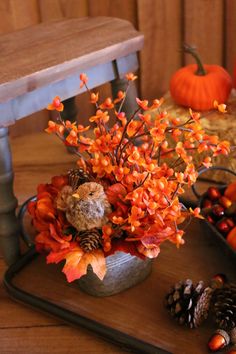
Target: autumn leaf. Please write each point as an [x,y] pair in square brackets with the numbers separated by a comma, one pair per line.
[124,246]
[59,181]
[44,242]
[77,262]
[115,192]
[45,209]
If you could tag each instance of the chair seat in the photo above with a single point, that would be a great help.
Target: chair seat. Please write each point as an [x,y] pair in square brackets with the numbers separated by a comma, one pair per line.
[49,52]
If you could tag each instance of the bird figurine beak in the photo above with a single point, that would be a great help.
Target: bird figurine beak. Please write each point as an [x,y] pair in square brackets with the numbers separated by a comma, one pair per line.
[76,195]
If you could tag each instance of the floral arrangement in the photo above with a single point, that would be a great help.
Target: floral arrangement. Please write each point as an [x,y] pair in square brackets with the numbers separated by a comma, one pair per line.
[124,193]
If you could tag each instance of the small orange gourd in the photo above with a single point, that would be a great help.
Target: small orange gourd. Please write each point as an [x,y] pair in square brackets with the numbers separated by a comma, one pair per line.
[199,85]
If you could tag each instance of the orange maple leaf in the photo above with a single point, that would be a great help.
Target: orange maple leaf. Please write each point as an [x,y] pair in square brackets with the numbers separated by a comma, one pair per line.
[77,262]
[115,192]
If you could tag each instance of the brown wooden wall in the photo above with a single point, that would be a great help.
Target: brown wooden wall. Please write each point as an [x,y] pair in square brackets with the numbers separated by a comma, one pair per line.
[166,24]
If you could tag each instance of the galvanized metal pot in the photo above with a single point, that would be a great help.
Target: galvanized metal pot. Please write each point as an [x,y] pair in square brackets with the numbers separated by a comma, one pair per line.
[123,272]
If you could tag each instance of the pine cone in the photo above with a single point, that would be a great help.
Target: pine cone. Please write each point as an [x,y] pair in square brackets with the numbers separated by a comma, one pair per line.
[77,177]
[224,306]
[189,303]
[90,240]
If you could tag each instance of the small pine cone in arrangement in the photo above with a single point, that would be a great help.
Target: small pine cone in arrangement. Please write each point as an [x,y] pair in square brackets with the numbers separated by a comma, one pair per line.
[188,303]
[224,306]
[77,177]
[90,239]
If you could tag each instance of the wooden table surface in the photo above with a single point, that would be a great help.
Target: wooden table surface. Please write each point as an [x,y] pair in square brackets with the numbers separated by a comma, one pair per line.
[24,330]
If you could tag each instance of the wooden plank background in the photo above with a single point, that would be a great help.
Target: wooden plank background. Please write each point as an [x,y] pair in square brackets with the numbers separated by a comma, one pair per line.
[166,24]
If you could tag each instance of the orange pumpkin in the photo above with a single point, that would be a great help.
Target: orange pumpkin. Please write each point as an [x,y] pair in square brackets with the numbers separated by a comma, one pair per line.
[198,86]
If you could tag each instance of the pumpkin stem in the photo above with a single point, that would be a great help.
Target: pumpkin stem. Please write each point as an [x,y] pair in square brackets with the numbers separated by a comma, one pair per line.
[200,69]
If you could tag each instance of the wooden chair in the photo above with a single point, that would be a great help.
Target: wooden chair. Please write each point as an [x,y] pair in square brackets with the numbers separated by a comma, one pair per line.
[46,60]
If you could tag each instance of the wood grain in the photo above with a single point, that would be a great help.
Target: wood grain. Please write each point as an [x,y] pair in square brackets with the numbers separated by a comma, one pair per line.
[50,10]
[229,36]
[203,27]
[58,339]
[52,63]
[125,9]
[18,14]
[160,21]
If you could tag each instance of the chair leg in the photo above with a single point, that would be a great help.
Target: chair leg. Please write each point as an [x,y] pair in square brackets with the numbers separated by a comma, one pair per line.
[70,110]
[9,226]
[130,104]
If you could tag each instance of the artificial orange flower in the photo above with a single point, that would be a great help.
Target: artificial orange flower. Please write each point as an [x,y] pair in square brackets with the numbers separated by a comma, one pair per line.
[56,105]
[94,97]
[107,232]
[196,213]
[207,162]
[223,148]
[146,118]
[54,128]
[143,104]
[156,103]
[134,127]
[121,172]
[221,107]
[151,251]
[122,117]
[158,133]
[194,115]
[135,215]
[107,104]
[72,138]
[84,79]
[131,77]
[100,116]
[120,96]
[190,174]
[101,165]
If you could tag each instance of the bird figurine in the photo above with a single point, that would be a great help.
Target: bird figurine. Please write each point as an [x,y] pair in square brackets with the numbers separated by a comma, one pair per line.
[87,207]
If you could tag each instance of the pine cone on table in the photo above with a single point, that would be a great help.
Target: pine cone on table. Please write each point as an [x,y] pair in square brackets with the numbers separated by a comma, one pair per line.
[188,303]
[224,306]
[90,239]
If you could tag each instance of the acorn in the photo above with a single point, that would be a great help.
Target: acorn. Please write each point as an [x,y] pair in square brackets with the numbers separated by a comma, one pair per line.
[213,193]
[210,219]
[230,222]
[230,211]
[218,280]
[219,340]
[207,203]
[223,226]
[225,202]
[217,211]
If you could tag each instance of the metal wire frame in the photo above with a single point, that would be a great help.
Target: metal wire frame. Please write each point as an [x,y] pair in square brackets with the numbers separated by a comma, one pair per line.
[21,214]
